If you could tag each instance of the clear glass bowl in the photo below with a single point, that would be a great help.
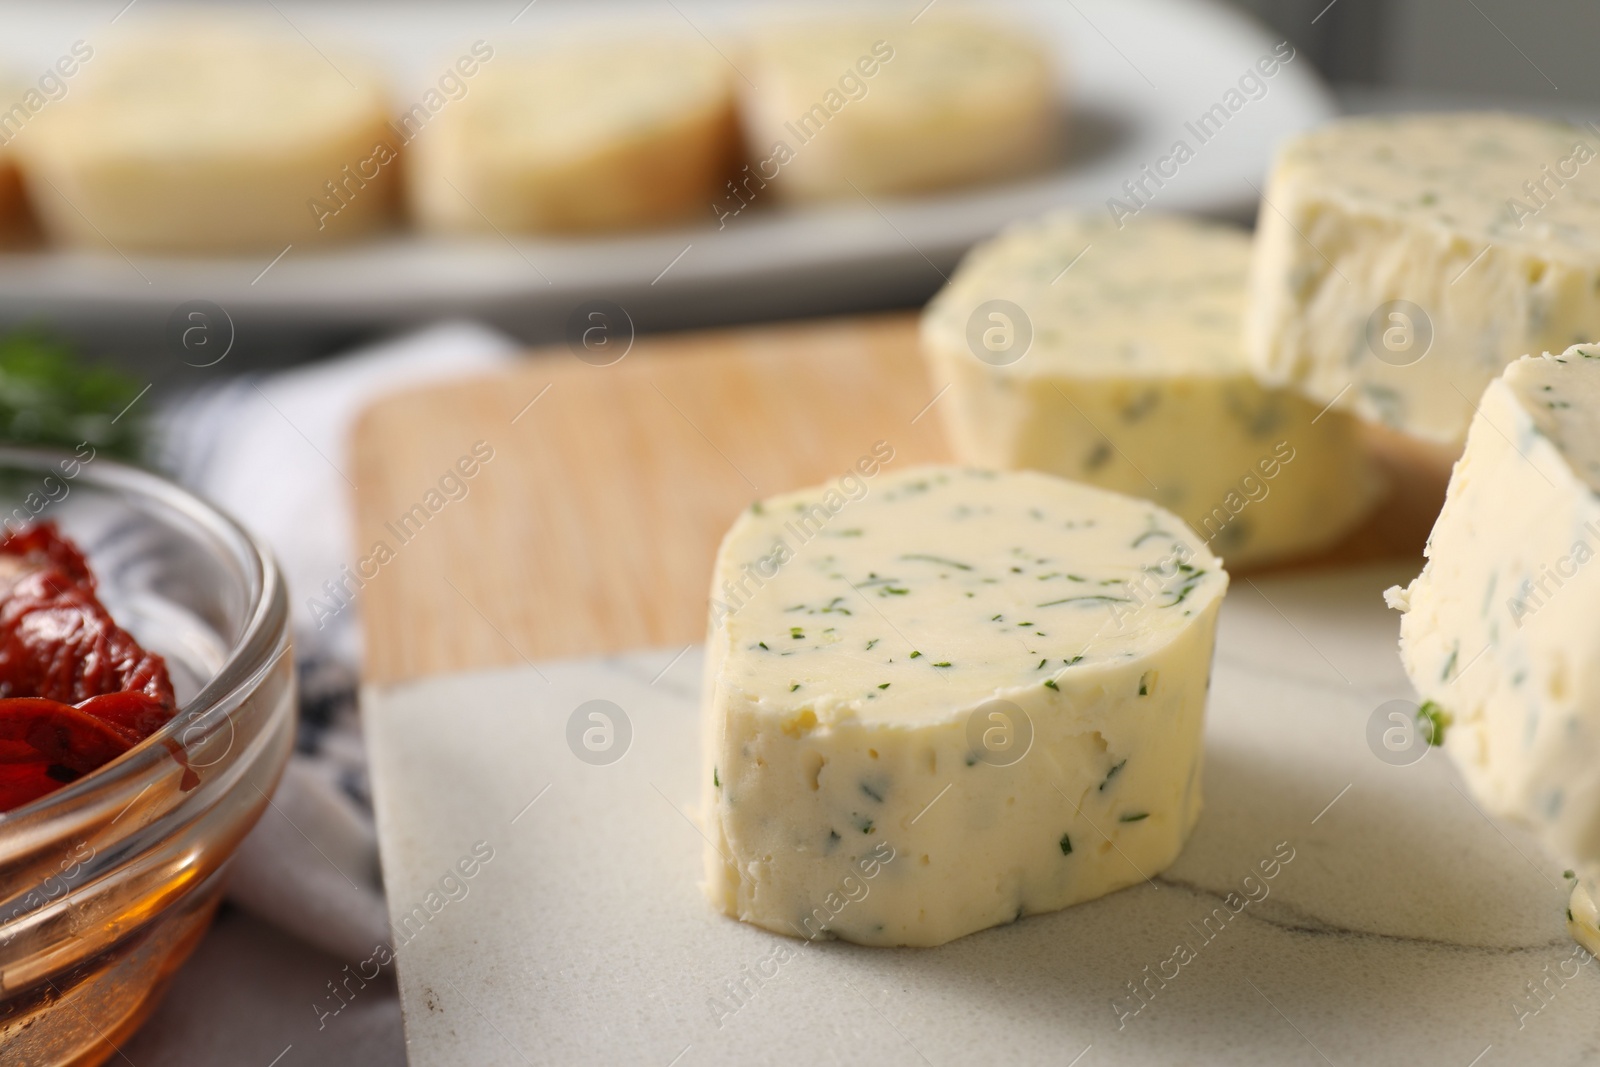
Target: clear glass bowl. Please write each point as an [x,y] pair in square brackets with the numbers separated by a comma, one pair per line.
[107,884]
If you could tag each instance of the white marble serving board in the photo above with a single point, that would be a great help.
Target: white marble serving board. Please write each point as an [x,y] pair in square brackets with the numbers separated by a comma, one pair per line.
[1407,927]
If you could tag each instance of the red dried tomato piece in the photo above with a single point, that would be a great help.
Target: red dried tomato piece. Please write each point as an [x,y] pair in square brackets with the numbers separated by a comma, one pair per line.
[135,715]
[62,734]
[21,783]
[56,639]
[42,544]
[76,690]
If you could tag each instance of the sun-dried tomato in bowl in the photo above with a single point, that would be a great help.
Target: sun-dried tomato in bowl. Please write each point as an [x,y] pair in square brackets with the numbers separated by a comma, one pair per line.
[76,690]
[108,882]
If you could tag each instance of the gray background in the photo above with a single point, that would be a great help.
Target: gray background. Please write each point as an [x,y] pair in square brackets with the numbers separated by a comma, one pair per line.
[1436,52]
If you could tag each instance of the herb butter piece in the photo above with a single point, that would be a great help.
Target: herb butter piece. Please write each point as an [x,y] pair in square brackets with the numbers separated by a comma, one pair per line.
[1487,223]
[1501,636]
[1014,766]
[1583,910]
[1135,379]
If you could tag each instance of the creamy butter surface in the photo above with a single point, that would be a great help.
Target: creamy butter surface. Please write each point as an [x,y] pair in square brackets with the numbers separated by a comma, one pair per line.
[940,699]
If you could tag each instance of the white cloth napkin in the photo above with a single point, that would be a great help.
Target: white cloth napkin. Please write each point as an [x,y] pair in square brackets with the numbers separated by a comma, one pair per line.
[273,451]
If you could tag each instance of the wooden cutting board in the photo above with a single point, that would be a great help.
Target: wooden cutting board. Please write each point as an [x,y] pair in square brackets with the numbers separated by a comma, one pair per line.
[592,526]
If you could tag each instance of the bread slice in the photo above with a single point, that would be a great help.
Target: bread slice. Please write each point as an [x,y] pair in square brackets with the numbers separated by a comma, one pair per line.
[216,137]
[15,225]
[591,136]
[898,108]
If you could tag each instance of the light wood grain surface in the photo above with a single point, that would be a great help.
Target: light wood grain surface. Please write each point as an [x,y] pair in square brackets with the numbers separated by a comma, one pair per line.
[593,527]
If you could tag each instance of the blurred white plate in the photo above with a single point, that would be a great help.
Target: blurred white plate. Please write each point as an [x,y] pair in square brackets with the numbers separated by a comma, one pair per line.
[1134,72]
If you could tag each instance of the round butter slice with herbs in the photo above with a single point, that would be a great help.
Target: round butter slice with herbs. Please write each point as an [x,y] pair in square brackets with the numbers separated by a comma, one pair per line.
[597,135]
[213,137]
[1113,356]
[941,699]
[1402,261]
[839,109]
[1501,632]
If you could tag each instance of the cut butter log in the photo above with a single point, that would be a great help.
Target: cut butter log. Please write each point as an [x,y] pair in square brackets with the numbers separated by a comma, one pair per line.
[212,138]
[1113,356]
[940,699]
[597,135]
[1501,629]
[897,108]
[1486,225]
